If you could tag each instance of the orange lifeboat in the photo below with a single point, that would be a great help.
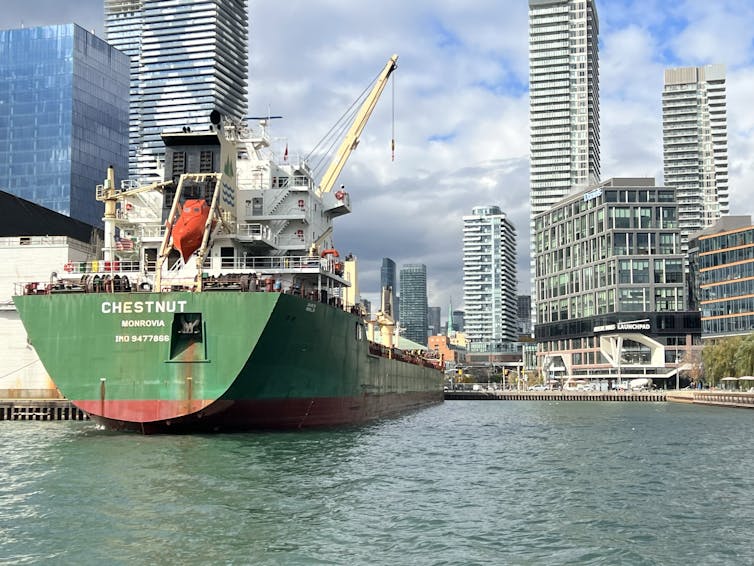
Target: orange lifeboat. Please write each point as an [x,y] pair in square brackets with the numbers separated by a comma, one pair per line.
[189,227]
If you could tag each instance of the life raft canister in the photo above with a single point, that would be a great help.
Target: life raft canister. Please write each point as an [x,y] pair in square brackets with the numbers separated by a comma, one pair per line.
[330,252]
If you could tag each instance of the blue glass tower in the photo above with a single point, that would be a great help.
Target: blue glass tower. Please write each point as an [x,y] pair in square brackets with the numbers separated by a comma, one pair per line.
[63,117]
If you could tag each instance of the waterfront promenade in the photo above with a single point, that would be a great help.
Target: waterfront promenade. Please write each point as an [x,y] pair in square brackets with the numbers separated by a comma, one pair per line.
[721,398]
[658,395]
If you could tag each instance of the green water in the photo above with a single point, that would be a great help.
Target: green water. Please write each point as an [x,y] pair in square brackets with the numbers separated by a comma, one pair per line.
[463,483]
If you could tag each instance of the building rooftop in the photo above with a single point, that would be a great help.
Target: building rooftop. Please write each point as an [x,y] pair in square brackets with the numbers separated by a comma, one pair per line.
[24,218]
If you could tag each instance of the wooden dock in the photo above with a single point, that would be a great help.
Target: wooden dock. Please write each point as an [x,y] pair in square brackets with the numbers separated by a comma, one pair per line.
[40,410]
[658,395]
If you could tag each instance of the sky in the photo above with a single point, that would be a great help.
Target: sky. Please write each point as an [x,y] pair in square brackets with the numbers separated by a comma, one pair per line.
[459,106]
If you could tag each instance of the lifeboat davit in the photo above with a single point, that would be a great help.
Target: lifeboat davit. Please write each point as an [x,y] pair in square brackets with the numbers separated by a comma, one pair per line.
[188,230]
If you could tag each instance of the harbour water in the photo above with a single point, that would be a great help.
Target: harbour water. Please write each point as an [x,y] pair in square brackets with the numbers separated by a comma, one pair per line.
[467,482]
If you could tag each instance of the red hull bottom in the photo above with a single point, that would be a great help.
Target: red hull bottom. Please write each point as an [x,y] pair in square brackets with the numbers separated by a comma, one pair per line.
[286,414]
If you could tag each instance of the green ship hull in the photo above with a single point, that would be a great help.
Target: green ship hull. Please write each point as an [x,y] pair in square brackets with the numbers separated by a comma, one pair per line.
[185,362]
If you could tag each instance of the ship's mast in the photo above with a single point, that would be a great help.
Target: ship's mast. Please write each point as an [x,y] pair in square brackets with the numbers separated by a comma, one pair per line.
[110,196]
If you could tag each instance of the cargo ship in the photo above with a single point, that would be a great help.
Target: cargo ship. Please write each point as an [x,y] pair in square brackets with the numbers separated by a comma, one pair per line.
[220,301]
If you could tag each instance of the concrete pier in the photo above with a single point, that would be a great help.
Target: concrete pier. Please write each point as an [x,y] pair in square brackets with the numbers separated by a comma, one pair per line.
[40,410]
[643,396]
[719,398]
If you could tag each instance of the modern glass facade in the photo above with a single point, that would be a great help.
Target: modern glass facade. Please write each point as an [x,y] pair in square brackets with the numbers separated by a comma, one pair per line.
[524,315]
[610,277]
[188,59]
[489,276]
[413,307]
[124,25]
[722,260]
[434,315]
[63,117]
[458,321]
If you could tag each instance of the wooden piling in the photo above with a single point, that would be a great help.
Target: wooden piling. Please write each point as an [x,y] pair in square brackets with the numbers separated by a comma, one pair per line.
[40,410]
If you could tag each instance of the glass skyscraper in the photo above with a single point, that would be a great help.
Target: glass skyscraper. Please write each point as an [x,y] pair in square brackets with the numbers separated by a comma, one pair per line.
[414,312]
[63,117]
[187,59]
[434,315]
[388,279]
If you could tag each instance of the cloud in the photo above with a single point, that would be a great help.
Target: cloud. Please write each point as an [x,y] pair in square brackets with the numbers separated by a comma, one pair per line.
[719,31]
[89,14]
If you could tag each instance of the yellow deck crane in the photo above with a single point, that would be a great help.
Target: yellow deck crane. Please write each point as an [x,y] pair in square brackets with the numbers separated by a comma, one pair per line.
[351,139]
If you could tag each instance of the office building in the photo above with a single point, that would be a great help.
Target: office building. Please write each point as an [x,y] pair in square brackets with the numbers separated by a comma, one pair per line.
[564,102]
[413,307]
[722,269]
[187,59]
[610,281]
[524,315]
[63,117]
[388,279]
[458,321]
[695,144]
[433,316]
[489,276]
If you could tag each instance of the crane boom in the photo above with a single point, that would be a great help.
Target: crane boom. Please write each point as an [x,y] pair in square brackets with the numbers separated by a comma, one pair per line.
[352,137]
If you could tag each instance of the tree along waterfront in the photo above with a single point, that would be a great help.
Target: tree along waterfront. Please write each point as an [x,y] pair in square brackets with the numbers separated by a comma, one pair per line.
[728,357]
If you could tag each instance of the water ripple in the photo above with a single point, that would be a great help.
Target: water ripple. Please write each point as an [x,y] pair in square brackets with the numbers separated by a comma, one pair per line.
[465,483]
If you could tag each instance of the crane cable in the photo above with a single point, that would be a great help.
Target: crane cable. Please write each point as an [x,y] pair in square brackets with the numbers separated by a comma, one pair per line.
[392,140]
[332,138]
[337,132]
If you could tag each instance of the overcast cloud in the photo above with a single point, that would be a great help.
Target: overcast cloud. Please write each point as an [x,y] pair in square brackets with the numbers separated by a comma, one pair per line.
[461,106]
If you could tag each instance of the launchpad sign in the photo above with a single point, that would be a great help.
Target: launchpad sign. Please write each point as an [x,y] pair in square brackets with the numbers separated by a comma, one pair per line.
[628,326]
